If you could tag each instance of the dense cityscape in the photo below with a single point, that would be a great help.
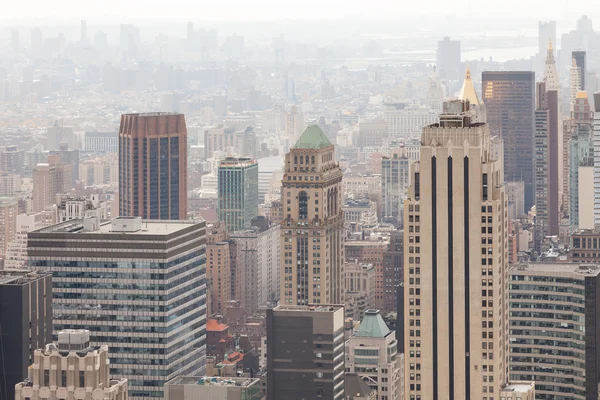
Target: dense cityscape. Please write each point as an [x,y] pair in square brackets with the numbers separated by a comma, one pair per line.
[214,212]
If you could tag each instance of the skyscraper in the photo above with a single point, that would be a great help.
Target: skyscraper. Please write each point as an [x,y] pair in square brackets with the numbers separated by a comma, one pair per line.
[238,192]
[50,179]
[8,224]
[25,323]
[71,367]
[448,59]
[546,33]
[510,102]
[579,57]
[294,124]
[454,315]
[597,159]
[305,352]
[550,73]
[312,240]
[394,184]
[546,162]
[138,286]
[153,166]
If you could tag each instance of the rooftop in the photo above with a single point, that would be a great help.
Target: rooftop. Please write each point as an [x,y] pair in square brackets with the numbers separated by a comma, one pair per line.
[147,227]
[373,325]
[318,308]
[313,138]
[564,268]
[214,325]
[19,276]
[213,381]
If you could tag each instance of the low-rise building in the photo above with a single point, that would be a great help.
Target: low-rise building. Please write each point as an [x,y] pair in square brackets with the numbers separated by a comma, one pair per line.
[213,388]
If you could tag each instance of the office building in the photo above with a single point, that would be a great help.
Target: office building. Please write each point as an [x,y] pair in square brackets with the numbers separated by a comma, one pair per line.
[372,353]
[574,84]
[49,180]
[257,260]
[153,165]
[546,163]
[546,34]
[454,314]
[218,267]
[393,262]
[26,321]
[12,160]
[305,352]
[579,58]
[373,133]
[8,223]
[238,192]
[16,253]
[70,368]
[148,302]
[394,185]
[554,336]
[510,101]
[580,165]
[69,157]
[60,135]
[312,241]
[596,125]
[101,142]
[585,246]
[294,124]
[358,389]
[359,295]
[10,184]
[448,59]
[405,122]
[214,388]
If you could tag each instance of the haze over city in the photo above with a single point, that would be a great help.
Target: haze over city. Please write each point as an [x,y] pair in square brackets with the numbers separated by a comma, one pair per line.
[325,200]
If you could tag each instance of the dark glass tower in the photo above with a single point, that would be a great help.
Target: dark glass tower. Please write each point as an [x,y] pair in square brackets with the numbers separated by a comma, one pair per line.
[153,166]
[510,102]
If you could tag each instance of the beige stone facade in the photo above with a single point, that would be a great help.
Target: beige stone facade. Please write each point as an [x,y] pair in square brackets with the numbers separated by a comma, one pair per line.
[72,370]
[312,242]
[456,251]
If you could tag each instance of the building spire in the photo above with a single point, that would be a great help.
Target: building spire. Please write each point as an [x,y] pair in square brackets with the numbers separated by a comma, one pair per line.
[467,92]
[550,73]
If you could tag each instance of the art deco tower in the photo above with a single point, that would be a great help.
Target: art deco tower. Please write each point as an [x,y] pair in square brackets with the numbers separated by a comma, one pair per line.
[455,258]
[153,166]
[312,248]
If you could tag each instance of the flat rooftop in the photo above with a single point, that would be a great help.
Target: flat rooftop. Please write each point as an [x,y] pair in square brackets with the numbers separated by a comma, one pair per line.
[213,381]
[557,268]
[19,276]
[147,227]
[311,307]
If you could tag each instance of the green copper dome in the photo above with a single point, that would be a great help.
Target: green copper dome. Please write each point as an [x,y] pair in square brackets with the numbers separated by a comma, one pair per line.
[312,138]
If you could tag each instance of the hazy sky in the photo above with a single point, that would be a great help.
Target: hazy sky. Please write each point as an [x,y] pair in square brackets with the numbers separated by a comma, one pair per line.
[304,9]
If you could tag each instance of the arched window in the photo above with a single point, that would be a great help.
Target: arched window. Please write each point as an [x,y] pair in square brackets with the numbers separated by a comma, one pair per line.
[302,205]
[295,159]
[312,159]
[301,160]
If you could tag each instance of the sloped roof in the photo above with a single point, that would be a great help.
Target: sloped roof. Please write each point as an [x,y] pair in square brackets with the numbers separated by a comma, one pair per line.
[467,92]
[355,387]
[312,138]
[215,326]
[373,325]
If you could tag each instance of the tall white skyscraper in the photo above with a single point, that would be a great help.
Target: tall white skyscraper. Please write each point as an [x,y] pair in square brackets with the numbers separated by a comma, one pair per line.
[550,73]
[597,159]
[456,258]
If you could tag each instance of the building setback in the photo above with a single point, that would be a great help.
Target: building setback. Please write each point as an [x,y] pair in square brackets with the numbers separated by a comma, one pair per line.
[139,287]
[25,323]
[153,166]
[69,368]
[305,352]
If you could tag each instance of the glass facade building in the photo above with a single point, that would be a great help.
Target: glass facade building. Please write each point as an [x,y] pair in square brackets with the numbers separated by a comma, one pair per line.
[238,192]
[138,287]
[554,329]
[509,98]
[153,166]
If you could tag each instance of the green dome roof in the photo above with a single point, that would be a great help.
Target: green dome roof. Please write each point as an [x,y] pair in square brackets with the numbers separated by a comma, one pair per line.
[312,138]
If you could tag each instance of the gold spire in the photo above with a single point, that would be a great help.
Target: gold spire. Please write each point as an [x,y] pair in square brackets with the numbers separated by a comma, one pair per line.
[550,49]
[467,92]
